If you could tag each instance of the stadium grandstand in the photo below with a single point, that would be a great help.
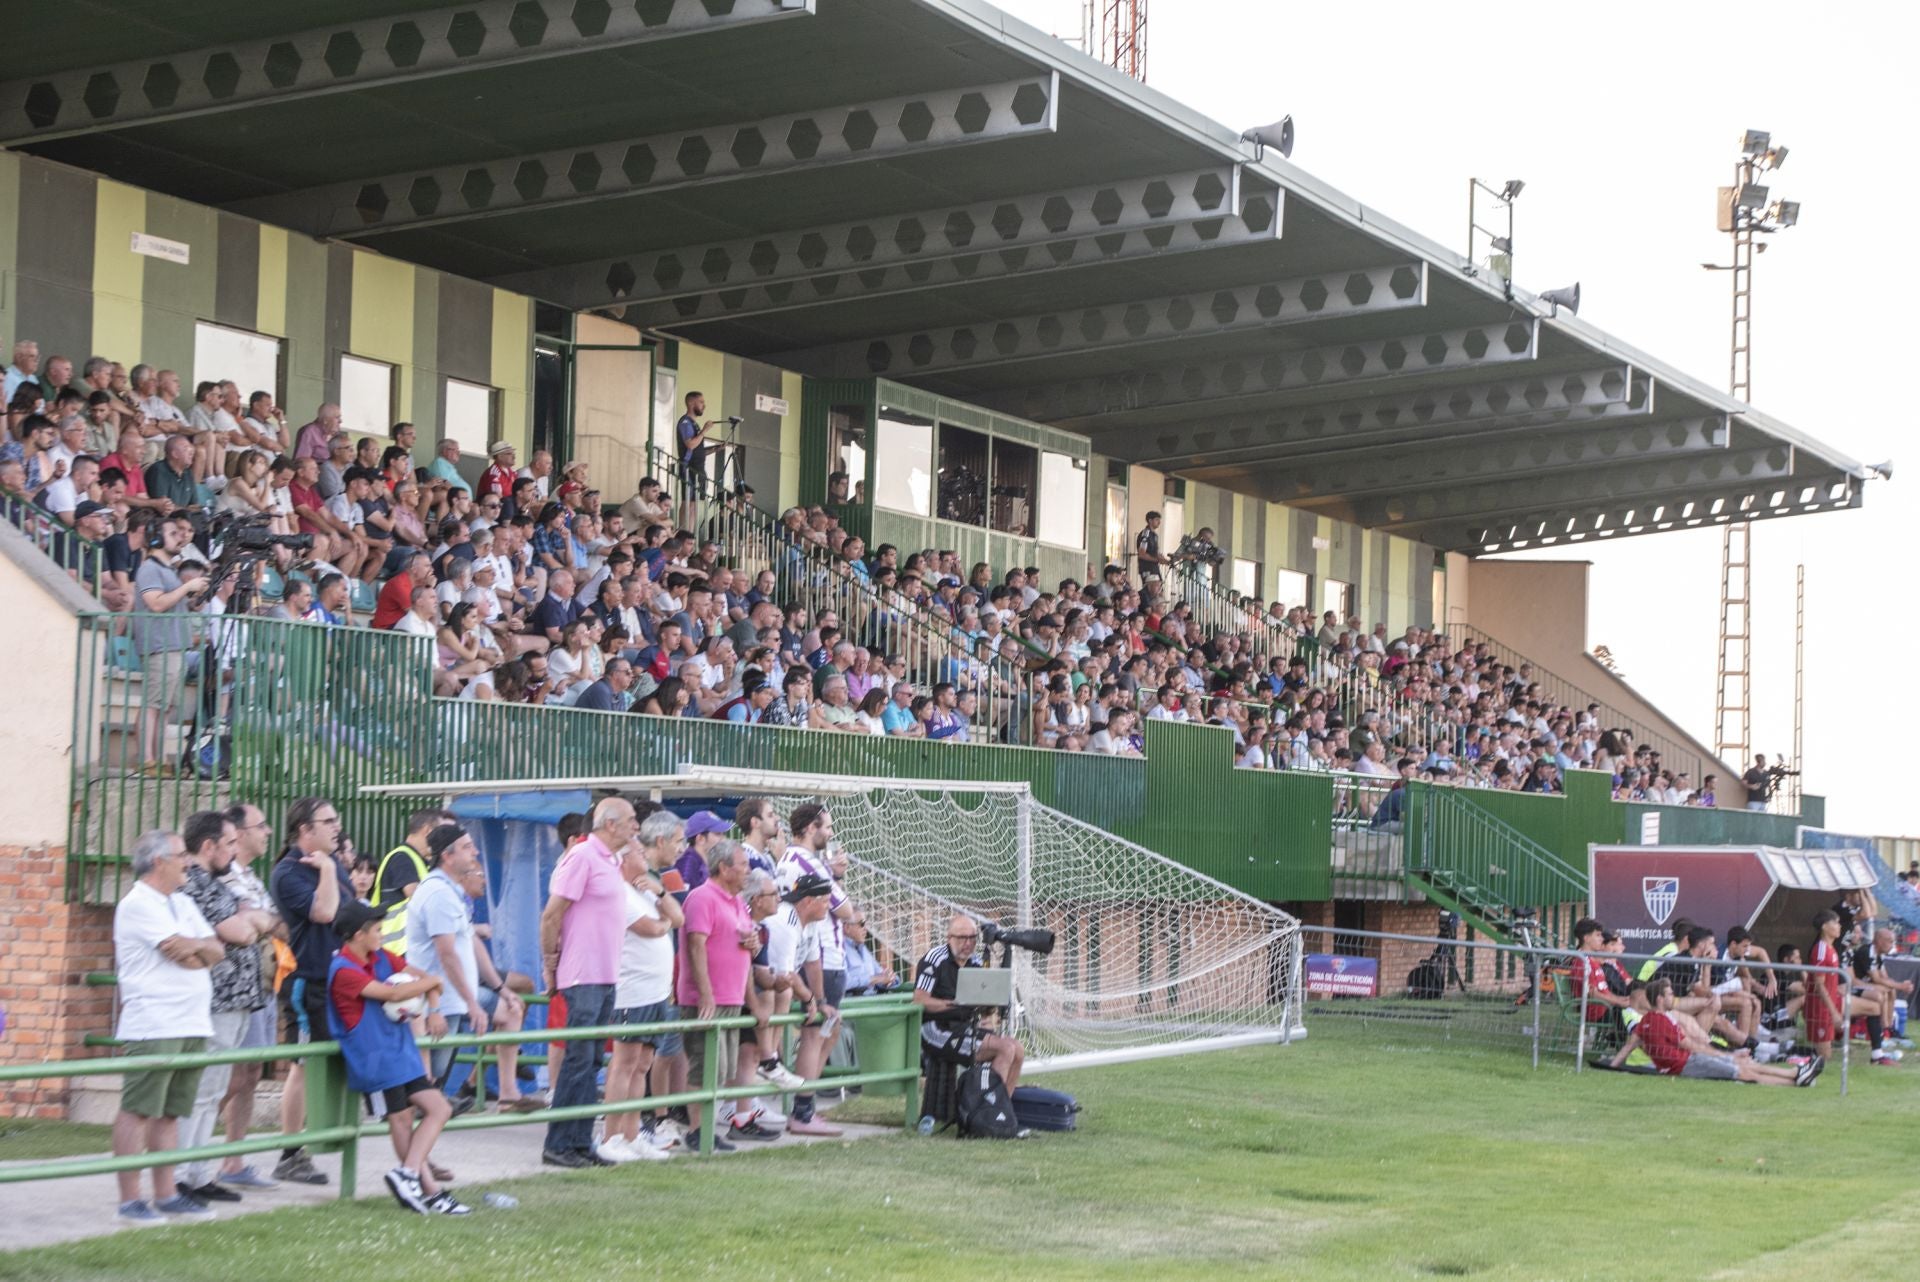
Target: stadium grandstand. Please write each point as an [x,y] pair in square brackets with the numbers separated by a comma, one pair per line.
[972,416]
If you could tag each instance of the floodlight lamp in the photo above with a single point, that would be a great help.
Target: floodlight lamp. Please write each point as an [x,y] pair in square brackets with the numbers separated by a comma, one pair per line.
[1511,192]
[1755,143]
[1785,213]
[1775,157]
[1278,135]
[1751,196]
[1568,298]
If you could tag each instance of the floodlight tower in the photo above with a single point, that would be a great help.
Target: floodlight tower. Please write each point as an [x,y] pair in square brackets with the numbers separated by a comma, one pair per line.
[1744,212]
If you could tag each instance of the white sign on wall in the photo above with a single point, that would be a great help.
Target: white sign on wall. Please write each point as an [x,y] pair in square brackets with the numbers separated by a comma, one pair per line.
[174,251]
[770,405]
[1650,828]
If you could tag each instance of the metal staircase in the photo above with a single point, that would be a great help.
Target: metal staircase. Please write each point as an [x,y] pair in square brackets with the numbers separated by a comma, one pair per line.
[1470,861]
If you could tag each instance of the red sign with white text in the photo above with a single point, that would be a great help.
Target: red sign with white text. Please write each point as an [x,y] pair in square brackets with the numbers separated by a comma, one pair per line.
[1641,891]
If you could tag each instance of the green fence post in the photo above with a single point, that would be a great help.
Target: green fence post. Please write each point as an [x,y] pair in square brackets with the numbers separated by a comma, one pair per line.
[910,1060]
[710,1084]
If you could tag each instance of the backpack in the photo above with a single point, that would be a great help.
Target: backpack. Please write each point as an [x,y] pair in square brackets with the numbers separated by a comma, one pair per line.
[1427,981]
[984,1106]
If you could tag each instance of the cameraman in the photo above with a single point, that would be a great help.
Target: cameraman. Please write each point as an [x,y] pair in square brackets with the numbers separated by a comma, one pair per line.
[1762,780]
[951,1033]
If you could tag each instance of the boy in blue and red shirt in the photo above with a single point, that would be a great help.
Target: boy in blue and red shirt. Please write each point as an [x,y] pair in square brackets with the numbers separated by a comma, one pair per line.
[382,1060]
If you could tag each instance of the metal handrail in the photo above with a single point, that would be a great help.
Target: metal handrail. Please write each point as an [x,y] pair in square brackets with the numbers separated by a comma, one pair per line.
[66,547]
[333,1098]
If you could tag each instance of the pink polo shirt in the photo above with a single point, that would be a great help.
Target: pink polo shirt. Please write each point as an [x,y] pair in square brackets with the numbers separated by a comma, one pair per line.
[589,875]
[716,912]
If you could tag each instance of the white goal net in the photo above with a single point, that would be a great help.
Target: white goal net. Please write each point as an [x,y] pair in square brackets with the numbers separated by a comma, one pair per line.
[1150,958]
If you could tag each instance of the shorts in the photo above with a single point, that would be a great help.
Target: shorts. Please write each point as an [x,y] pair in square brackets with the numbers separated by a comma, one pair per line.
[303,1002]
[395,1099]
[696,1046]
[1710,1068]
[440,1058]
[1818,1018]
[961,1048]
[261,1029]
[161,1092]
[651,1013]
[833,987]
[163,680]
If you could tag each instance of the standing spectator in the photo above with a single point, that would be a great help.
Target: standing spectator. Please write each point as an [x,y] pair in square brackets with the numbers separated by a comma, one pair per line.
[812,827]
[253,836]
[401,871]
[1147,555]
[580,931]
[383,1063]
[164,638]
[644,993]
[212,844]
[1759,781]
[704,829]
[162,949]
[309,885]
[441,942]
[717,945]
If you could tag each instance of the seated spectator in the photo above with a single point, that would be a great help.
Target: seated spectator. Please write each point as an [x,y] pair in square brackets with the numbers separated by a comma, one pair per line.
[1680,1051]
[382,1062]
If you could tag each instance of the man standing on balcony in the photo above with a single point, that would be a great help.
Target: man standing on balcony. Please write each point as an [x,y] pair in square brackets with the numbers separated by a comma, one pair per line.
[163,952]
[1146,550]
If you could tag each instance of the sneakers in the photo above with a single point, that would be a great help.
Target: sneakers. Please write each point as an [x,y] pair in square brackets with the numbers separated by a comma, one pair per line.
[644,1149]
[570,1158]
[184,1207]
[812,1126]
[299,1169]
[248,1178]
[1804,1075]
[720,1145]
[447,1204]
[766,1114]
[750,1130]
[615,1148]
[406,1190]
[139,1214]
[778,1074]
[1892,1052]
[661,1136]
[523,1104]
[208,1192]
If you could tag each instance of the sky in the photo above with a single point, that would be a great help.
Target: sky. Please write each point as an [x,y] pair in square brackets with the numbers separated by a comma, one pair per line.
[1622,119]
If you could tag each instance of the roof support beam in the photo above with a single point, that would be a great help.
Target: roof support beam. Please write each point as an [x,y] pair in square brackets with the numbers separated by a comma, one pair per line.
[1368,474]
[874,257]
[629,167]
[1094,403]
[1465,412]
[1122,325]
[353,56]
[1830,491]
[1634,484]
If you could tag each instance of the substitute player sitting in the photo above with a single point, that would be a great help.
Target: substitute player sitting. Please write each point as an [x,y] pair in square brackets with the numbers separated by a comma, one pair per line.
[1678,1050]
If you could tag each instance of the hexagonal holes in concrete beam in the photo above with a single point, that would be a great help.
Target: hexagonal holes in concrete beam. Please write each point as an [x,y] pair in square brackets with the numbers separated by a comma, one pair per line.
[423,197]
[530,180]
[1313,294]
[1404,283]
[812,250]
[861,243]
[1475,344]
[1029,104]
[282,65]
[749,147]
[1157,199]
[860,130]
[694,155]
[466,33]
[667,271]
[527,24]
[161,85]
[590,17]
[477,189]
[404,44]
[1007,221]
[221,75]
[638,164]
[763,258]
[879,357]
[343,54]
[803,139]
[972,113]
[42,105]
[1209,191]
[1107,207]
[621,279]
[101,95]
[583,172]
[916,121]
[959,229]
[371,203]
[910,236]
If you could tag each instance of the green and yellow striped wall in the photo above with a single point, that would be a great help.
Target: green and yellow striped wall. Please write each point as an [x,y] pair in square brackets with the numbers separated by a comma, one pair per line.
[70,280]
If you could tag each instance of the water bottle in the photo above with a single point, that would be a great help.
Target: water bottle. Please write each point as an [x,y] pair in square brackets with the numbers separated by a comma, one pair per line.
[500,1201]
[926,1126]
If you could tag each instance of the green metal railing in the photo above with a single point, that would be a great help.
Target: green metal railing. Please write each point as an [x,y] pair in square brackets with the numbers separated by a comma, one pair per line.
[1480,866]
[334,1110]
[752,540]
[82,558]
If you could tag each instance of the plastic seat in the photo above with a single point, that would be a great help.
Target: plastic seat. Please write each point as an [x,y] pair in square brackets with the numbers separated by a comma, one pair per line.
[121,655]
[272,587]
[362,596]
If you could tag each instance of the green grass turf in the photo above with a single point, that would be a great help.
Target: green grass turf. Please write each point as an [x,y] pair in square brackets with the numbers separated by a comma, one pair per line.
[1342,1157]
[24,1139]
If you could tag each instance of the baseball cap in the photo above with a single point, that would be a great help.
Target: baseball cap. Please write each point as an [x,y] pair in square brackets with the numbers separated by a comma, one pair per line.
[499,447]
[949,582]
[808,886]
[87,508]
[705,821]
[441,839]
[355,917]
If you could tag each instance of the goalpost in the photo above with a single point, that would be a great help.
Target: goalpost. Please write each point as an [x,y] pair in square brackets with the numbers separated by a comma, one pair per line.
[1150,958]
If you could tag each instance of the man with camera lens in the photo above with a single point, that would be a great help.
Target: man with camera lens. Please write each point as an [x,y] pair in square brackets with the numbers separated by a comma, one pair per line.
[951,1032]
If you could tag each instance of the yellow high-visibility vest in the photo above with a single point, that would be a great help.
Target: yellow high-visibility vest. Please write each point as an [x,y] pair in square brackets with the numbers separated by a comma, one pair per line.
[393,927]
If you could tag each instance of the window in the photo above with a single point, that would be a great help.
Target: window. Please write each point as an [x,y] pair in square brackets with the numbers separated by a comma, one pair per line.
[1338,597]
[846,453]
[222,354]
[1173,524]
[666,386]
[1116,548]
[1063,500]
[366,397]
[470,416]
[1439,594]
[1246,577]
[1292,588]
[903,463]
[1011,500]
[962,492]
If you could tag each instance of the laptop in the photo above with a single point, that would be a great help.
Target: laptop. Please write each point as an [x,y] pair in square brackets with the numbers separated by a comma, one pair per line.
[984,986]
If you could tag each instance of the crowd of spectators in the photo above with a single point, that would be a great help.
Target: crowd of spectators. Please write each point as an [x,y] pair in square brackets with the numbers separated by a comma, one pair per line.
[533,587]
[650,919]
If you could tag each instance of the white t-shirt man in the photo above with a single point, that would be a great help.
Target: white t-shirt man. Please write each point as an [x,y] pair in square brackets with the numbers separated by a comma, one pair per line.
[159,998]
[791,943]
[342,508]
[646,961]
[439,907]
[60,496]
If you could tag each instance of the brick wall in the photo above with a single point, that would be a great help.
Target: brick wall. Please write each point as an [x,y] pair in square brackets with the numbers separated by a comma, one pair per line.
[47,946]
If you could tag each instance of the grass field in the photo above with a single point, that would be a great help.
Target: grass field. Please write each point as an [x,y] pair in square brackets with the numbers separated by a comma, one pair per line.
[1336,1158]
[27,1139]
